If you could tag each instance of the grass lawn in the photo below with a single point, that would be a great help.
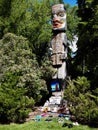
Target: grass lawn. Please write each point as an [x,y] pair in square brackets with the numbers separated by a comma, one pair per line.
[43,125]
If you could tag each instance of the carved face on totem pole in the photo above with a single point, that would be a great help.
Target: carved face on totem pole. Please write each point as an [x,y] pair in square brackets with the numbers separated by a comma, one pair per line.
[59,17]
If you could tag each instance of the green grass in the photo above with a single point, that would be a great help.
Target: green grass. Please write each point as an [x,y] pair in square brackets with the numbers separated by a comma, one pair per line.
[43,125]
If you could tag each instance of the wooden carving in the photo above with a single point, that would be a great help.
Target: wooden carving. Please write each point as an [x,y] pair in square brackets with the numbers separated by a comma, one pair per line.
[58,44]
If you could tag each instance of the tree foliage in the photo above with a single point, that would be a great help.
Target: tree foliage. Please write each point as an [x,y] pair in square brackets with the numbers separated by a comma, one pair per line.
[72,22]
[87,54]
[29,19]
[14,104]
[82,101]
[20,79]
[80,93]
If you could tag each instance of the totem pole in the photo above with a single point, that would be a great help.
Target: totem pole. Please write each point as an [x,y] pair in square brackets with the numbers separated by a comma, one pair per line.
[58,45]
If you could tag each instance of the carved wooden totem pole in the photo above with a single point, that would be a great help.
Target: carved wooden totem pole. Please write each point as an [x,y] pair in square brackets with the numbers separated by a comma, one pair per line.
[59,41]
[58,45]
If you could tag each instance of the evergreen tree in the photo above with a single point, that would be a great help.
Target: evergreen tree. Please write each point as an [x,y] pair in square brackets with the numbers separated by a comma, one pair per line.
[14,104]
[81,101]
[87,44]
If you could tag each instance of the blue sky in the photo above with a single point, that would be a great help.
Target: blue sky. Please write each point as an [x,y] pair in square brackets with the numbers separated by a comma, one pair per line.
[71,2]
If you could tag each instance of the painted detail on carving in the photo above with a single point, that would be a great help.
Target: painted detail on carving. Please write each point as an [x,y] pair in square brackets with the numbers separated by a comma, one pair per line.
[58,17]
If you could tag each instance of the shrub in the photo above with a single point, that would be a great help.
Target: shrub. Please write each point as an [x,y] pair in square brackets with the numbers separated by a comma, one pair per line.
[14,105]
[81,100]
[21,85]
